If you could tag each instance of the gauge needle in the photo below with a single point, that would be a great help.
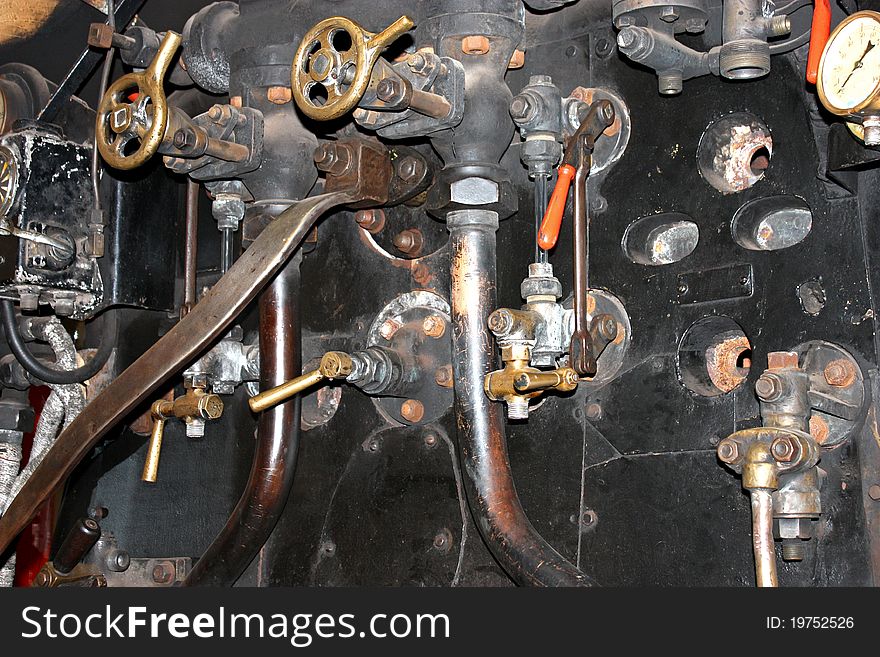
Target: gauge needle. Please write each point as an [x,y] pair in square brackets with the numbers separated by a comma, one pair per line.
[859,63]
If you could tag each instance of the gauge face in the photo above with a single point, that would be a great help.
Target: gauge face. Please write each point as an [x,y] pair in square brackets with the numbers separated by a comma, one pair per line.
[849,73]
[8,179]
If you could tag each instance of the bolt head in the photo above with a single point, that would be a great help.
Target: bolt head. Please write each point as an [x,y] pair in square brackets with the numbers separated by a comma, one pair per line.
[388,89]
[409,169]
[668,14]
[784,449]
[412,410]
[521,108]
[767,388]
[372,221]
[434,326]
[839,373]
[388,329]
[728,451]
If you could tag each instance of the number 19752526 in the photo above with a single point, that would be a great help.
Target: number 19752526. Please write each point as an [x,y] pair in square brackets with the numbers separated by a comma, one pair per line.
[810,623]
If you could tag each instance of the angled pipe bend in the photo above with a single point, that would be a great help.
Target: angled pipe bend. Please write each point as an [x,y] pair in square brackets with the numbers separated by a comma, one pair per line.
[526,557]
[278,432]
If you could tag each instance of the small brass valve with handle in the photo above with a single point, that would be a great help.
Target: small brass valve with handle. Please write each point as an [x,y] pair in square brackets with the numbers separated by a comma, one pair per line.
[334,365]
[194,408]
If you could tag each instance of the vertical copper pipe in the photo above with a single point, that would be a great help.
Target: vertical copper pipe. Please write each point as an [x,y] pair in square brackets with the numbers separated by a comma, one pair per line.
[526,557]
[190,247]
[271,478]
[762,537]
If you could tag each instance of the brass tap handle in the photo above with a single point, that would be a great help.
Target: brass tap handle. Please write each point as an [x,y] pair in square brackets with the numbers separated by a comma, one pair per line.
[160,411]
[343,75]
[563,379]
[334,365]
[134,108]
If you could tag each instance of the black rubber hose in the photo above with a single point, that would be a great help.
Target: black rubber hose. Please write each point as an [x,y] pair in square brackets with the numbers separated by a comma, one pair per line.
[48,374]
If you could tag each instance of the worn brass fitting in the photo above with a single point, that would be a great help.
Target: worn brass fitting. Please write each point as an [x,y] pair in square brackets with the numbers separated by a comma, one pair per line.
[334,365]
[144,119]
[194,407]
[518,382]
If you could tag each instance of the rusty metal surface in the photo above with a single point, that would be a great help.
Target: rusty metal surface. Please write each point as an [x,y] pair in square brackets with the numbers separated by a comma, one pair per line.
[175,349]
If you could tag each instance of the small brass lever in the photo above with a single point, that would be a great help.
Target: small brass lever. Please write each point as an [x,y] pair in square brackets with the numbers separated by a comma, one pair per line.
[195,406]
[334,365]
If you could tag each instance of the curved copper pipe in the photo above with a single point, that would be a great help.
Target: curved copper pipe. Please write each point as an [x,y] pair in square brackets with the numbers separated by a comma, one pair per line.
[271,478]
[526,557]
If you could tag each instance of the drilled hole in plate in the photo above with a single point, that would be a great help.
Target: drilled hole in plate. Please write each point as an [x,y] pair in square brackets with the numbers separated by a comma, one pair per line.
[661,239]
[714,356]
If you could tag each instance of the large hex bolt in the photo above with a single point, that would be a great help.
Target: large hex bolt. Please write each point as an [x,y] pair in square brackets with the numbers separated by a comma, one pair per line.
[409,241]
[728,451]
[333,158]
[372,221]
[839,373]
[769,387]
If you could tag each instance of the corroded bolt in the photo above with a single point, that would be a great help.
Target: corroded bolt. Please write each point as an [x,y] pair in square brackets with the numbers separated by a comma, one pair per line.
[475,44]
[335,159]
[500,322]
[431,440]
[728,451]
[409,241]
[161,574]
[235,101]
[784,449]
[782,360]
[517,59]
[388,329]
[389,90]
[443,376]
[434,326]
[279,95]
[768,387]
[839,373]
[215,113]
[819,429]
[874,493]
[372,221]
[412,410]
[417,62]
[183,138]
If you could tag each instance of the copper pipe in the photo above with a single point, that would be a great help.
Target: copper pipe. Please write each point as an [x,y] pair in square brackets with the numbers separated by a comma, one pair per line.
[762,537]
[526,557]
[190,247]
[271,478]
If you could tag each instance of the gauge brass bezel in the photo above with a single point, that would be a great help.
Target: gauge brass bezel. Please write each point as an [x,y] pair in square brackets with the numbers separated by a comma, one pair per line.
[11,157]
[872,100]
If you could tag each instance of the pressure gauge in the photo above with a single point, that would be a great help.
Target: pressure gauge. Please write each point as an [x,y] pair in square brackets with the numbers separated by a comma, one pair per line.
[849,73]
[8,179]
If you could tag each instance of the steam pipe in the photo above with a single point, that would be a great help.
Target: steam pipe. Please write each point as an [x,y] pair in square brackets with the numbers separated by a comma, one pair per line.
[271,478]
[762,537]
[526,557]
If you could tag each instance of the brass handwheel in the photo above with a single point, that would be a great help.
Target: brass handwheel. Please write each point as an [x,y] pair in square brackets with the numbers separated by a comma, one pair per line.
[134,108]
[328,79]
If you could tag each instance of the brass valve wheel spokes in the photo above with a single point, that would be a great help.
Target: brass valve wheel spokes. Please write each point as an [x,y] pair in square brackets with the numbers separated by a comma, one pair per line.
[333,64]
[134,109]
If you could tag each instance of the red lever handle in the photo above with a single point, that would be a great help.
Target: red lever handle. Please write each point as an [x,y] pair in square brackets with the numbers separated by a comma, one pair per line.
[819,31]
[552,222]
